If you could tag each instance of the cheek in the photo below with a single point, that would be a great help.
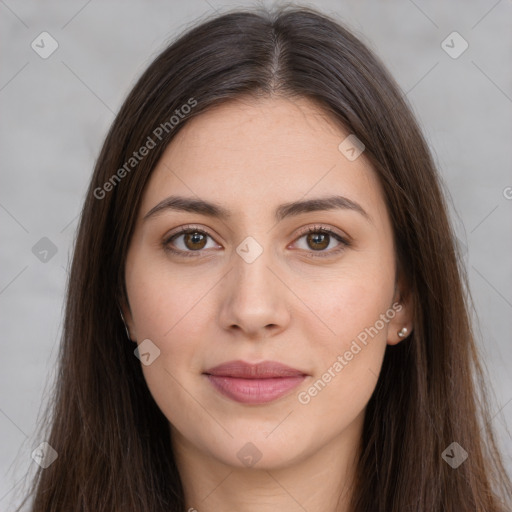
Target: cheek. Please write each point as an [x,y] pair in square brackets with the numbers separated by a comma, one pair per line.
[355,307]
[350,299]
[359,317]
[175,322]
[163,297]
[172,310]
[347,366]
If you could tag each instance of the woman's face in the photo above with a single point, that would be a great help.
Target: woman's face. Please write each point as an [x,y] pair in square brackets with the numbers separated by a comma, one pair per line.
[253,286]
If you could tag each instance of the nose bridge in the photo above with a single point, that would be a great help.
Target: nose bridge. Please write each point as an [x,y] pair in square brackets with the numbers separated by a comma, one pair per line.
[252,278]
[254,297]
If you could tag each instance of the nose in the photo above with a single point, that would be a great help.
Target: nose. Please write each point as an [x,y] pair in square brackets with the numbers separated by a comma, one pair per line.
[255,301]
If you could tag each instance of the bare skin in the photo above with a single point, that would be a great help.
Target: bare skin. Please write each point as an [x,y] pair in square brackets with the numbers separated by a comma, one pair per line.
[290,304]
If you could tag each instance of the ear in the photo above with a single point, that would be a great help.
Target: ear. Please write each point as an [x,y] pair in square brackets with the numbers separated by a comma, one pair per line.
[403,306]
[127,319]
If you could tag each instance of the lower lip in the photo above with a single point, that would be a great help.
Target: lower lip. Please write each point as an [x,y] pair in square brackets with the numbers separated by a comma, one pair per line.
[254,391]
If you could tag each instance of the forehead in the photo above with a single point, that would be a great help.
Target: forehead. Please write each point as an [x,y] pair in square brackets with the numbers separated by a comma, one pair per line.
[253,152]
[266,129]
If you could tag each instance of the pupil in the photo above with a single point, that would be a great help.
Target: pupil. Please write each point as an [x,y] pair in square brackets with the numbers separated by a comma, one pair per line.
[195,238]
[319,238]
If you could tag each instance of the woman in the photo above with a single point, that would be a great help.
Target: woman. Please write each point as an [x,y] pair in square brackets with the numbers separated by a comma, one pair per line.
[265,224]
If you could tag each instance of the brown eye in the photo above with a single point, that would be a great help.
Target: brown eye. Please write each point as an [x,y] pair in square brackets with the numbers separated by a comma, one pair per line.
[318,241]
[194,241]
[191,242]
[187,242]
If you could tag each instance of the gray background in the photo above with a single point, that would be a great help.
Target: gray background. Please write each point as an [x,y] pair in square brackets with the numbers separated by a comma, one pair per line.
[56,111]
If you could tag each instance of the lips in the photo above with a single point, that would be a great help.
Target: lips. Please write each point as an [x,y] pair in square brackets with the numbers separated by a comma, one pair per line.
[254,383]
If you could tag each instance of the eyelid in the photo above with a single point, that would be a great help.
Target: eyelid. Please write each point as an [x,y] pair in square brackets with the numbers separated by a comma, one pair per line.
[187,227]
[322,228]
[344,240]
[183,230]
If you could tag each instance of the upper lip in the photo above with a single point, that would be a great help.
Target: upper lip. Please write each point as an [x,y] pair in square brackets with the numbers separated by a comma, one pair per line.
[263,370]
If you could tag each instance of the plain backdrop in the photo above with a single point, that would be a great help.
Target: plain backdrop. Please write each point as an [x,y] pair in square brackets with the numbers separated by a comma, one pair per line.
[55,112]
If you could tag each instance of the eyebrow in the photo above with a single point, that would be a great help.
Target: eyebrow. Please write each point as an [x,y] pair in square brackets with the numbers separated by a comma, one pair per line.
[211,209]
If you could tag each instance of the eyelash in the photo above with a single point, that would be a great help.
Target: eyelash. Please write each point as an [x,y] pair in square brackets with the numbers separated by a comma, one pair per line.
[344,243]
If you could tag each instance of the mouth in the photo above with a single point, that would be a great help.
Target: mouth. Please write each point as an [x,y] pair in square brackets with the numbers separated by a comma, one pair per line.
[254,383]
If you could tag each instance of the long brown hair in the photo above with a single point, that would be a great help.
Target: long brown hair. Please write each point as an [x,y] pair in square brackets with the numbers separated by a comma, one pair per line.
[114,451]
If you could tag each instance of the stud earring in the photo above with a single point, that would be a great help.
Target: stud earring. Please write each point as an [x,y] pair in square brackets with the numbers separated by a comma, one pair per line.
[125,326]
[402,332]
